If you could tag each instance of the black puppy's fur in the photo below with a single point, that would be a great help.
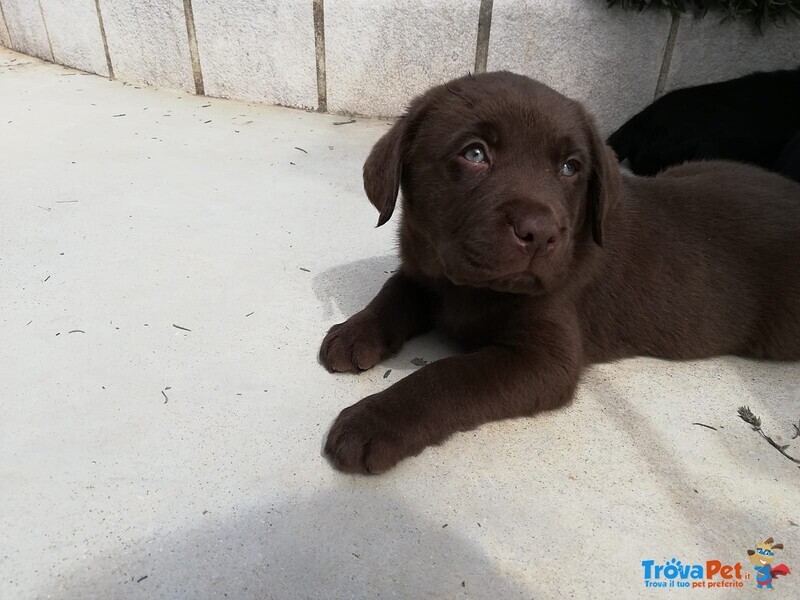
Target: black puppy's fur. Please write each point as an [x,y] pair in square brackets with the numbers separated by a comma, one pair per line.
[790,158]
[750,119]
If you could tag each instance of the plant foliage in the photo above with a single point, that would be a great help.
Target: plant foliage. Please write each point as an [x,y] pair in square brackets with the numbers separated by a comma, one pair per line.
[757,11]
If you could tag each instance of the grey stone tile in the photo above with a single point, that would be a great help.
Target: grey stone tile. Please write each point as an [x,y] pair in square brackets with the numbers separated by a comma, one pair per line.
[75,34]
[260,51]
[148,43]
[609,59]
[26,28]
[381,54]
[709,50]
[5,40]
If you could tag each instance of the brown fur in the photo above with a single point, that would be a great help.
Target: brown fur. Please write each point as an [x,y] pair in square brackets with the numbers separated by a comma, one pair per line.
[539,272]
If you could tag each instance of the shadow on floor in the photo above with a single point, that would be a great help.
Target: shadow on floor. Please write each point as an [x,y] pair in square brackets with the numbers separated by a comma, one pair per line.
[350,286]
[688,492]
[359,541]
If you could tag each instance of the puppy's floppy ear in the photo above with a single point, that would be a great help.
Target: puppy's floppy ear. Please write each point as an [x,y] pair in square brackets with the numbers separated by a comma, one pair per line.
[604,181]
[384,165]
[382,170]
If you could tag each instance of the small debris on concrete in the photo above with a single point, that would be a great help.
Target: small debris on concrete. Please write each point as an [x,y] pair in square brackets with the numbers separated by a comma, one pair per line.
[419,362]
[306,270]
[345,122]
[179,327]
[141,579]
[385,375]
[119,115]
[706,426]
[77,331]
[250,313]
[166,399]
[301,150]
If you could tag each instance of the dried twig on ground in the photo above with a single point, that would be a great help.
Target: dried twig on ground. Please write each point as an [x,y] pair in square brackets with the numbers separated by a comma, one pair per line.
[755,422]
[706,426]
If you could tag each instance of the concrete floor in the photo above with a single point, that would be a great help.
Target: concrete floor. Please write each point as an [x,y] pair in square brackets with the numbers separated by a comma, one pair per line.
[140,460]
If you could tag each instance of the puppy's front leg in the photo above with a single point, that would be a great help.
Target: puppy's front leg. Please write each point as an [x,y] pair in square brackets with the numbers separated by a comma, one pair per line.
[455,394]
[402,309]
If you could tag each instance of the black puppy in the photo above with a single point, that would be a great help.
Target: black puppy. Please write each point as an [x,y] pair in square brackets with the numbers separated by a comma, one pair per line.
[790,158]
[750,119]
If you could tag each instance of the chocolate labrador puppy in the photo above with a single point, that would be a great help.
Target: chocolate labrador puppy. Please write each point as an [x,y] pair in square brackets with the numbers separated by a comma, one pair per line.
[520,239]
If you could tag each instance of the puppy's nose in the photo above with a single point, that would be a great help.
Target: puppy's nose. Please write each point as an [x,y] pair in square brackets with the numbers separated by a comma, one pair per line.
[538,234]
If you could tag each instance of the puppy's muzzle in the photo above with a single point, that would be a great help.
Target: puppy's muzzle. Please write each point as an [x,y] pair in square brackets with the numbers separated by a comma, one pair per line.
[535,234]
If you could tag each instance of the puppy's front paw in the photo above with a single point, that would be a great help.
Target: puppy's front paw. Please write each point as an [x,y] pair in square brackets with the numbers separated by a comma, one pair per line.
[357,344]
[364,440]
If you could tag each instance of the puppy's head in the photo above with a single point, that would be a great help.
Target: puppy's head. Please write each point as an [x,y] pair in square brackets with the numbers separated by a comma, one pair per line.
[503,180]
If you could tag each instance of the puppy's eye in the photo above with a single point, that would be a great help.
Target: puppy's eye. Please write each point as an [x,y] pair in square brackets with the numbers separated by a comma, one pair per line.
[474,154]
[569,168]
